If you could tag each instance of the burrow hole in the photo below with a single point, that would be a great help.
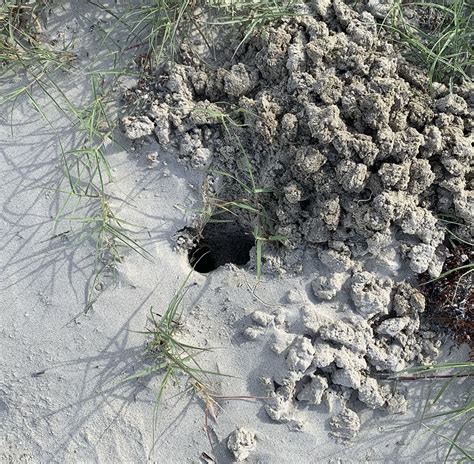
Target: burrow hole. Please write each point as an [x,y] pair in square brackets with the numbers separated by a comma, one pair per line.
[221,243]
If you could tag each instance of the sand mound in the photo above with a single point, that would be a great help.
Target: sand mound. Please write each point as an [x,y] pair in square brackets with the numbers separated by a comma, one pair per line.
[360,159]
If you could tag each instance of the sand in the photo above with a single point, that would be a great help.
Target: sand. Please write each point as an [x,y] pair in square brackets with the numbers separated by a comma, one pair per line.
[62,395]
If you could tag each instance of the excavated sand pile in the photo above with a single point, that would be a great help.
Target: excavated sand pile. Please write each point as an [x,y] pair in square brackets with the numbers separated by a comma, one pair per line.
[361,156]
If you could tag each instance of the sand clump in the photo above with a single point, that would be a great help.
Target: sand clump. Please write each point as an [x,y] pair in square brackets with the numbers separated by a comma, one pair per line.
[360,159]
[241,442]
[339,360]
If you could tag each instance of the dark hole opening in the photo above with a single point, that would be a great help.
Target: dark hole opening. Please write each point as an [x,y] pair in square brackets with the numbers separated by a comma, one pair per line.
[305,204]
[221,243]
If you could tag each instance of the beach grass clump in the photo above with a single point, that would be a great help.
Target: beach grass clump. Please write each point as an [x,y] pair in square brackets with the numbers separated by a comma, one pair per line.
[170,357]
[161,25]
[437,34]
[86,175]
[23,50]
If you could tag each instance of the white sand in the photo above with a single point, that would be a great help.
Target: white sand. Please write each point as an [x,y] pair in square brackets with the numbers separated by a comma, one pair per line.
[61,395]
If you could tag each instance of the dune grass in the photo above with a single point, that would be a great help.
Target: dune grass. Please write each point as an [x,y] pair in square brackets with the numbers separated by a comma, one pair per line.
[172,358]
[154,25]
[451,424]
[441,41]
[24,57]
[29,65]
[248,205]
[177,363]
[251,16]
[86,176]
[159,26]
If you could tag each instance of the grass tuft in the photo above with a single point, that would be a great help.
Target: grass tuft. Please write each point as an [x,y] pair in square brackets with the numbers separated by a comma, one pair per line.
[161,25]
[171,357]
[86,174]
[22,52]
[440,40]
